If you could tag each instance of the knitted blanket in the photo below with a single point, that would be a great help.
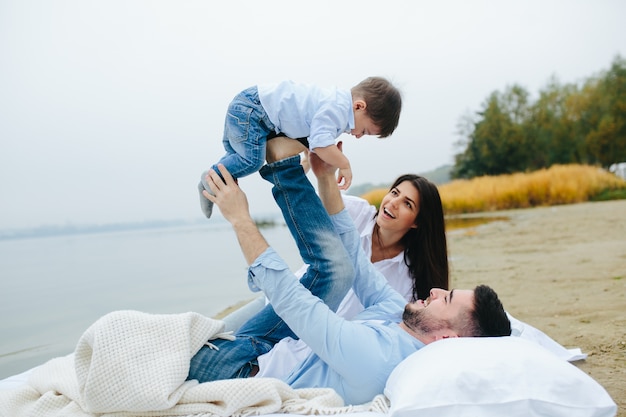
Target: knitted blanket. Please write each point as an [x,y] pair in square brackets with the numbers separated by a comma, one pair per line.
[130,363]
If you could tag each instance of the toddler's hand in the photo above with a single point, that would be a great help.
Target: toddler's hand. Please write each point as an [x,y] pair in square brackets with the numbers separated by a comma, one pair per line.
[344,178]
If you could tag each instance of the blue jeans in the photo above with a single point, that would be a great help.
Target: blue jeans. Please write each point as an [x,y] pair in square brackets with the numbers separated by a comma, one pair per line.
[245,134]
[328,277]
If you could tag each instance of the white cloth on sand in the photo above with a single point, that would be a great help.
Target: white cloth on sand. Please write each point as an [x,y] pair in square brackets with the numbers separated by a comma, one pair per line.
[130,363]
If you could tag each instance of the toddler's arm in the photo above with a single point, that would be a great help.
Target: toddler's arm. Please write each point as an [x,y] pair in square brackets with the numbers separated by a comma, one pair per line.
[334,157]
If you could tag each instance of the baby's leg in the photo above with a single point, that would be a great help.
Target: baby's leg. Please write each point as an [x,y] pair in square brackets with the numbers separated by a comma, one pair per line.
[245,134]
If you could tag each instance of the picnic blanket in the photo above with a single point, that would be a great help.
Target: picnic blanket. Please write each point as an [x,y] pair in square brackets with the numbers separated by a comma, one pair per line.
[130,363]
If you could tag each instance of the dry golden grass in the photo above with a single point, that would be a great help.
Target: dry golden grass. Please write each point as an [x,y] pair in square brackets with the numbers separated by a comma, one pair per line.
[375,196]
[559,184]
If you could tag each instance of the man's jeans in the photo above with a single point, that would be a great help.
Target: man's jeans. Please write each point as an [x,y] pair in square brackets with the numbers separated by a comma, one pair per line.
[329,275]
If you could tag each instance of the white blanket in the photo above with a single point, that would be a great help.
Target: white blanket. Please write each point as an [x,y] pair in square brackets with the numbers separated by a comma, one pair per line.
[130,363]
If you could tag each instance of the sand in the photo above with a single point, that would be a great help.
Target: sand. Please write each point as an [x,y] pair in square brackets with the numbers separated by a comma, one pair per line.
[561,269]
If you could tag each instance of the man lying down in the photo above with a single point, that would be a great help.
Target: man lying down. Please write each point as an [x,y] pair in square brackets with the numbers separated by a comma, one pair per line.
[354,357]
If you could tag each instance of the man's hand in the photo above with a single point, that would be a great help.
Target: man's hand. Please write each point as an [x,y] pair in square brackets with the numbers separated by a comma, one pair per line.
[231,200]
[233,204]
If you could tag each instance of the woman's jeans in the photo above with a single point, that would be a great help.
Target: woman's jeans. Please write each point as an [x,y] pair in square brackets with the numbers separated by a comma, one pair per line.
[329,275]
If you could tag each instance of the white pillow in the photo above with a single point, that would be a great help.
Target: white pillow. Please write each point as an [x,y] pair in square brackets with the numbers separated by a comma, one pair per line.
[528,332]
[499,376]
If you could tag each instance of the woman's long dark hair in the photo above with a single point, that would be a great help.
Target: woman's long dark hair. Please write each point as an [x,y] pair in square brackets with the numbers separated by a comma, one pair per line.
[425,247]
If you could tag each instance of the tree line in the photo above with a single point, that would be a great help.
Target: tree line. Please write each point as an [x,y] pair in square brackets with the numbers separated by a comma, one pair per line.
[582,123]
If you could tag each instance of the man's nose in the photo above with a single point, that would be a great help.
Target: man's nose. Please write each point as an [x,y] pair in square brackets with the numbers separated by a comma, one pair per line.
[436,292]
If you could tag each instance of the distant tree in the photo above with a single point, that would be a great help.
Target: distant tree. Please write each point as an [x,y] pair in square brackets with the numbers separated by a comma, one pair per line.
[496,141]
[606,140]
[552,139]
[462,159]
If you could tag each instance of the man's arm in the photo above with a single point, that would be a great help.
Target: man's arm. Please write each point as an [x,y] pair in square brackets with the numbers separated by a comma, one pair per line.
[233,204]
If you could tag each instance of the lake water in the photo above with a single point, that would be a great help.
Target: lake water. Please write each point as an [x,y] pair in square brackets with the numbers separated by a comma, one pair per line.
[53,288]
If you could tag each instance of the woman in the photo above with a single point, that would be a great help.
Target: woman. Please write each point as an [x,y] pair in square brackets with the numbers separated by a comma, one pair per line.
[405,239]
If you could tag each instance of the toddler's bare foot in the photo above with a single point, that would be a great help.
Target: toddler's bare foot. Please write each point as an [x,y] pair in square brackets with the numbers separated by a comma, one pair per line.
[281,147]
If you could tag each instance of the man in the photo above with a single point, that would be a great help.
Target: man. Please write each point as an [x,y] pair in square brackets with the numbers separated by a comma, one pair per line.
[353,357]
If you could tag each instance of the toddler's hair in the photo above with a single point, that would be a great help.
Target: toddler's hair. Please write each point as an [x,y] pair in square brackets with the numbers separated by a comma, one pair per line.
[384,103]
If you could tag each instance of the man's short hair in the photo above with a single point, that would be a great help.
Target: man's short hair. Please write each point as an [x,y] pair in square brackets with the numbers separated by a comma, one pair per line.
[489,314]
[486,319]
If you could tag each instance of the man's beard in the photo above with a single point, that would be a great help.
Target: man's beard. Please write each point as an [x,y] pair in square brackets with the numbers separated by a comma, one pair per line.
[421,321]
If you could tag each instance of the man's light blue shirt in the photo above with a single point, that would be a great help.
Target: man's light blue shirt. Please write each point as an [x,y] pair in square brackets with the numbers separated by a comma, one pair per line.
[356,357]
[302,110]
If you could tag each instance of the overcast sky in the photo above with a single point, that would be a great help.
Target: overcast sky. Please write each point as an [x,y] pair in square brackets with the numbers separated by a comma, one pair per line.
[110,110]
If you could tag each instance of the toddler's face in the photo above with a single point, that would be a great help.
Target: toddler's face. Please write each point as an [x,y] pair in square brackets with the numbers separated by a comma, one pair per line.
[363,125]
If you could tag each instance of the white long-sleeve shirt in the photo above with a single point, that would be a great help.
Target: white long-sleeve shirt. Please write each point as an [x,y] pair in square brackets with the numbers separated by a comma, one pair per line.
[303,110]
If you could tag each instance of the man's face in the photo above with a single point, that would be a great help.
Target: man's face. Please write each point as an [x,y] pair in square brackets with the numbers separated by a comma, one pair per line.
[432,317]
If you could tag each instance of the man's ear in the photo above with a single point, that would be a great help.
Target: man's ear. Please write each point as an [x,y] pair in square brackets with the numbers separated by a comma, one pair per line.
[446,334]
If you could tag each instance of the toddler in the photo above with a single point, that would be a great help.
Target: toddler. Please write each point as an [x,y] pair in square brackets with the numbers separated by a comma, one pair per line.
[317,116]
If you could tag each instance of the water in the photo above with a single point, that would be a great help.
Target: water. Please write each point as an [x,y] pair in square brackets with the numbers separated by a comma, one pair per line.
[52,289]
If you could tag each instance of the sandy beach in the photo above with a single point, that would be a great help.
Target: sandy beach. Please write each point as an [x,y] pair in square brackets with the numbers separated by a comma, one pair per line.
[561,269]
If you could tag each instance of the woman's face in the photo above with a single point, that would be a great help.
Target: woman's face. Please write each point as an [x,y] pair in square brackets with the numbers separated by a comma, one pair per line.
[399,208]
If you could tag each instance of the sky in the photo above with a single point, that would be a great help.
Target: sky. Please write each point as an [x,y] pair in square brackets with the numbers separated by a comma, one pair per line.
[110,110]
